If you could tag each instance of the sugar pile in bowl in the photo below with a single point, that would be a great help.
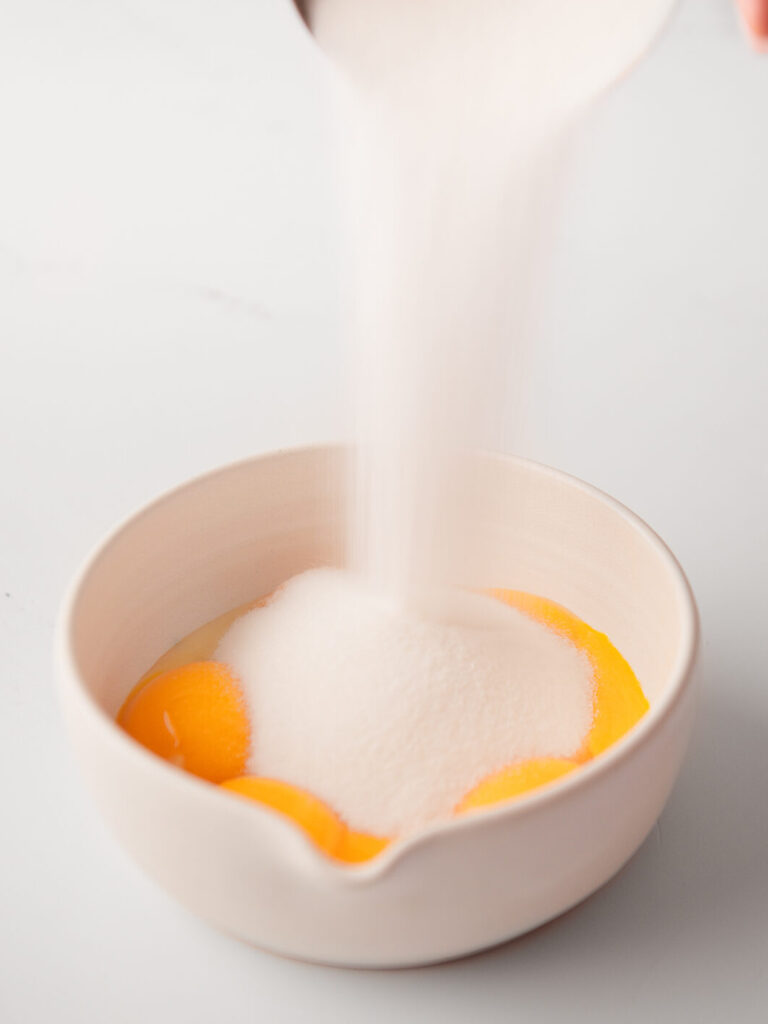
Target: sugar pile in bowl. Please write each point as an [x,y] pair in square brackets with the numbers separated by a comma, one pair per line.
[391,718]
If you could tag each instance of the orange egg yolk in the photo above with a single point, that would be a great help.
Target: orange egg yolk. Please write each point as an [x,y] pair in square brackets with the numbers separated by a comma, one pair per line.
[514,781]
[618,701]
[194,715]
[320,823]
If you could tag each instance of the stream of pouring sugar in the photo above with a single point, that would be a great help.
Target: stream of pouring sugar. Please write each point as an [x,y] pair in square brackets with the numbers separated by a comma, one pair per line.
[455,111]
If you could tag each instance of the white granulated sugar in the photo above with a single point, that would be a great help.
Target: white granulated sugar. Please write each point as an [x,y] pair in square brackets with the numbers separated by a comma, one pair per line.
[454,114]
[389,718]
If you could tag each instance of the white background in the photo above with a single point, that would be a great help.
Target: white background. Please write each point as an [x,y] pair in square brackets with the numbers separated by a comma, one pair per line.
[169,301]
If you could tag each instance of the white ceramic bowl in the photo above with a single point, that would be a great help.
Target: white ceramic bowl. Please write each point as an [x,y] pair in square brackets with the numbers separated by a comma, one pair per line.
[471,882]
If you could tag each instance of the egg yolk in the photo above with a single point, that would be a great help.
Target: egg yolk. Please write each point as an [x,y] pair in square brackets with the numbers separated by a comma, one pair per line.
[357,847]
[618,702]
[195,717]
[320,823]
[515,780]
[315,817]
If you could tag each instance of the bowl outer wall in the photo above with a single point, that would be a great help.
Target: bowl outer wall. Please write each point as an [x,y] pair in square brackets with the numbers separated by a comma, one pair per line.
[456,888]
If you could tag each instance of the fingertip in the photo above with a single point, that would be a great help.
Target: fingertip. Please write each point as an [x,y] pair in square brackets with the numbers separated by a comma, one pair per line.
[754,18]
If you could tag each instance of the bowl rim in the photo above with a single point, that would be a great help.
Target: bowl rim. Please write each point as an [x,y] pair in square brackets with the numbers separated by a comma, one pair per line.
[71,681]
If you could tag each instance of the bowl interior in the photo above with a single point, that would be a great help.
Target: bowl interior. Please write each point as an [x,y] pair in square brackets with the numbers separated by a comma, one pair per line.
[237,533]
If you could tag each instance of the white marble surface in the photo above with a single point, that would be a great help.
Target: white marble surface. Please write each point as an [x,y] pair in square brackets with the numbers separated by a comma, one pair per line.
[168,301]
